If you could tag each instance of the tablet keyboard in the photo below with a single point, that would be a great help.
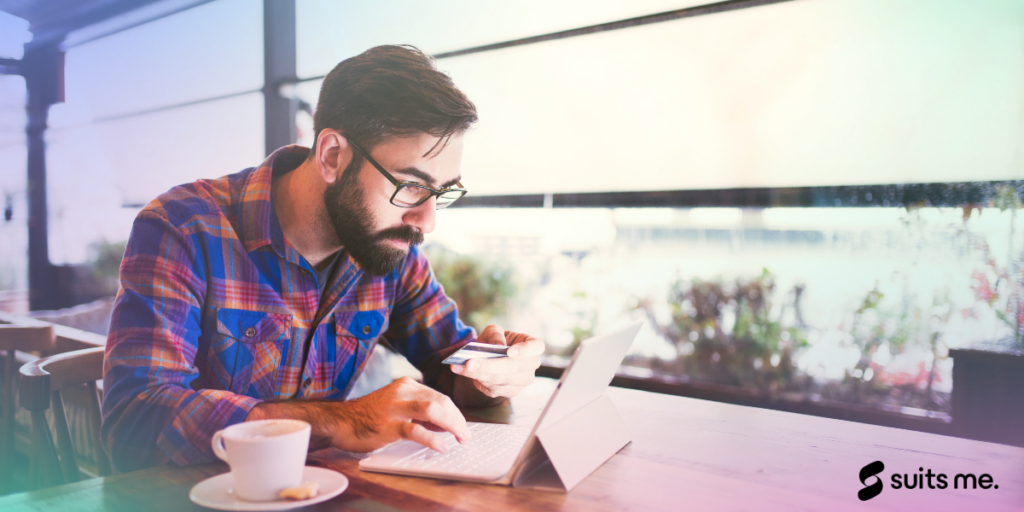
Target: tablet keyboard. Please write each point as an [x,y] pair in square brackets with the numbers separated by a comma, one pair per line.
[493,447]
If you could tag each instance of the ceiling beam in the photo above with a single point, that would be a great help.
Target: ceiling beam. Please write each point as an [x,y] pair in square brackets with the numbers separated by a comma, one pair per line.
[50,20]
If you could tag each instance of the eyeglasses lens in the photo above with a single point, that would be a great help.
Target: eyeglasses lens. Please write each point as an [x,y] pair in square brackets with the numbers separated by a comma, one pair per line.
[448,198]
[410,196]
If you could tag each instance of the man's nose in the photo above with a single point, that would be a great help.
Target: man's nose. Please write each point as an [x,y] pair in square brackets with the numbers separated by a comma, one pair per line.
[423,216]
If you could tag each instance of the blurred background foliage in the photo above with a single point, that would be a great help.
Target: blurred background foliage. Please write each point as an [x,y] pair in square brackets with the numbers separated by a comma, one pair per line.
[740,333]
[750,334]
[482,288]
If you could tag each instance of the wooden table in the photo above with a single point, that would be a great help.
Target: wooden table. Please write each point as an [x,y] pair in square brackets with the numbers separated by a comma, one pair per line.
[686,454]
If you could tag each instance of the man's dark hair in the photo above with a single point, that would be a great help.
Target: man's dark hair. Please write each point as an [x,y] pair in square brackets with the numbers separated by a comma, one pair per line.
[391,91]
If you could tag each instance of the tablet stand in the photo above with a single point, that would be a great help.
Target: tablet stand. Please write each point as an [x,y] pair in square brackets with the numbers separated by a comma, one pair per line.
[572,448]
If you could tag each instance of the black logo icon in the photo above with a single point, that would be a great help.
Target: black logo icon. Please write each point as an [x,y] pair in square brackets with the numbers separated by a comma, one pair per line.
[871,470]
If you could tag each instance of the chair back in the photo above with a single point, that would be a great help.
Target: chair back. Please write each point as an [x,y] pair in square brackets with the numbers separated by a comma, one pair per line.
[40,386]
[12,339]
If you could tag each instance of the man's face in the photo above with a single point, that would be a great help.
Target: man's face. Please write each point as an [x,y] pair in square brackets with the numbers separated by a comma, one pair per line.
[377,233]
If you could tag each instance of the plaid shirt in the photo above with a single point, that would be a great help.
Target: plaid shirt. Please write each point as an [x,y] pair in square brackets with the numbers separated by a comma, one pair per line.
[217,313]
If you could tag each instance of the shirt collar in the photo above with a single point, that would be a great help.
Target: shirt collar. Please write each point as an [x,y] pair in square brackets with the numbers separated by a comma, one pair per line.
[260,225]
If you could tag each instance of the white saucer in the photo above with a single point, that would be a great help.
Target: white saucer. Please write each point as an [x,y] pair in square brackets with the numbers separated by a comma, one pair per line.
[215,492]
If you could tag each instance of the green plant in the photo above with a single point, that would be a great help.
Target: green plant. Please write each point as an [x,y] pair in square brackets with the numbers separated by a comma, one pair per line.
[746,333]
[879,331]
[731,333]
[482,289]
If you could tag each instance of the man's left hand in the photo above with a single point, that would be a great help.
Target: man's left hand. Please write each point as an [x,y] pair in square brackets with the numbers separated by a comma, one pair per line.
[504,376]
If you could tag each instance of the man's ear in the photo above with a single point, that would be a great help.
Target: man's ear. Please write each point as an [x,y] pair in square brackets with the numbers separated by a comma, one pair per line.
[333,154]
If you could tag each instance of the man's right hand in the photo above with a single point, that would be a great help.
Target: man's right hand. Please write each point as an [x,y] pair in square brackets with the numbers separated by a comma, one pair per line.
[404,409]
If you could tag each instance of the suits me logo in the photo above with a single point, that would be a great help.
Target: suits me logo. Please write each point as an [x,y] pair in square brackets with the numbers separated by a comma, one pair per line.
[866,472]
[918,480]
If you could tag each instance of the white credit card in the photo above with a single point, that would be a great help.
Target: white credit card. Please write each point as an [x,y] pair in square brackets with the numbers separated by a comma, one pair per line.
[476,351]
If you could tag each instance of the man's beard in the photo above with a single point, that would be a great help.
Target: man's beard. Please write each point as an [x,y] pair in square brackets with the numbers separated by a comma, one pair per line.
[353,224]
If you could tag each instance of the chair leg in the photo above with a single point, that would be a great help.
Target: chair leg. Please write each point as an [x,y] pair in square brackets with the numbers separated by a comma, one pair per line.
[68,461]
[102,460]
[46,468]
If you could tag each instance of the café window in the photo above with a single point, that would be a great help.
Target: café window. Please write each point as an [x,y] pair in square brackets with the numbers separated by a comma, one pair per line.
[813,200]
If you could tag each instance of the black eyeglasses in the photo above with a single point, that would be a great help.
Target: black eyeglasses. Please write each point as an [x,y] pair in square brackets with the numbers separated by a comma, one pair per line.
[410,195]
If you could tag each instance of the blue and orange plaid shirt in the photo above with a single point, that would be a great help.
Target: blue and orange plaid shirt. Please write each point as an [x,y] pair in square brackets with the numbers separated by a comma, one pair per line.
[217,313]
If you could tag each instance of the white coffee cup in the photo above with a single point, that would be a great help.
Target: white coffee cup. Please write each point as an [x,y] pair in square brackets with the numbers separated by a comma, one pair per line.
[265,456]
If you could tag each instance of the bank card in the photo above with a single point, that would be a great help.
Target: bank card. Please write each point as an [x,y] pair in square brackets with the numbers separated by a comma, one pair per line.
[476,351]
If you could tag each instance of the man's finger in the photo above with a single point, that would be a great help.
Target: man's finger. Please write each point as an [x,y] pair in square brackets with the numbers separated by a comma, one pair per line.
[495,365]
[418,392]
[491,380]
[419,434]
[493,335]
[441,412]
[430,426]
[500,365]
[498,338]
[526,375]
[524,346]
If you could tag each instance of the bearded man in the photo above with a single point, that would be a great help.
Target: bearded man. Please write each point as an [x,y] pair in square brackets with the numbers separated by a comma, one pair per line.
[260,294]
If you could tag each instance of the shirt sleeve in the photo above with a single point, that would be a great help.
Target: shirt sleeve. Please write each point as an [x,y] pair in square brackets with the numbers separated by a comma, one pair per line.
[151,415]
[424,324]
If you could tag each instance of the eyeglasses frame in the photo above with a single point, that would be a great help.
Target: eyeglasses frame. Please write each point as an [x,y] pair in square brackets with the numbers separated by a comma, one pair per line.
[400,184]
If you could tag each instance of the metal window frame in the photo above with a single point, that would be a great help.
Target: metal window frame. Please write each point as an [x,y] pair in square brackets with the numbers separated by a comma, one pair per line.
[904,195]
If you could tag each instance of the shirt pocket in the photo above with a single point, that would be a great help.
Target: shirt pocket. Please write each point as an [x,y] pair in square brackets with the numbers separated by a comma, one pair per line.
[356,333]
[246,353]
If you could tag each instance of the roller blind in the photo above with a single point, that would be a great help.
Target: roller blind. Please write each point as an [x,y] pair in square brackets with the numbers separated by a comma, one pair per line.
[831,92]
[329,31]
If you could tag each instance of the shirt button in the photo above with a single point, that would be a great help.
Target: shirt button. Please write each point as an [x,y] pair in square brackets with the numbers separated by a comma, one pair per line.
[250,332]
[307,382]
[366,329]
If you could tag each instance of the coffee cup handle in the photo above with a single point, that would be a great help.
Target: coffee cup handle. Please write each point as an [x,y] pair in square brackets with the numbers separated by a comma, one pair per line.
[218,446]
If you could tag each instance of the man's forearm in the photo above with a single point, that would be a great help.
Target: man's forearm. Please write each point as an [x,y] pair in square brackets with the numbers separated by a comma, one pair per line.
[323,416]
[348,424]
[404,409]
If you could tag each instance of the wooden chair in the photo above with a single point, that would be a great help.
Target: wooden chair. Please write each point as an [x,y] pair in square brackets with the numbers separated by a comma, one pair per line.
[25,339]
[40,386]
